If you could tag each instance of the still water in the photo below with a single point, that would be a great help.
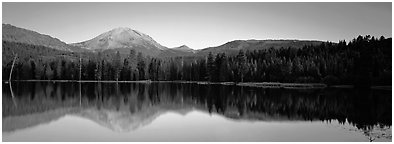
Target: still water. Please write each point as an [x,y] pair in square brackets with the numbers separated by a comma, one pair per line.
[42,111]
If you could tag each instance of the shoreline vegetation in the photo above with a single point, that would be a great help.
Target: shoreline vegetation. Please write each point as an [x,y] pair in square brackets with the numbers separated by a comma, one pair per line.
[363,63]
[248,84]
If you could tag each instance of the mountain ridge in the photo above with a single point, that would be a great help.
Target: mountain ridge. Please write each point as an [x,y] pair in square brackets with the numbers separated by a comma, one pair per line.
[16,34]
[232,47]
[123,39]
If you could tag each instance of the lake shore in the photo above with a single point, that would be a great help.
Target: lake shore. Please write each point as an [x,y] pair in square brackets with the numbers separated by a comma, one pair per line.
[248,84]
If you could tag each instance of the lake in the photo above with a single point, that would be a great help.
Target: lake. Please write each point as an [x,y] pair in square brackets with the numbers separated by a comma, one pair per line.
[165,111]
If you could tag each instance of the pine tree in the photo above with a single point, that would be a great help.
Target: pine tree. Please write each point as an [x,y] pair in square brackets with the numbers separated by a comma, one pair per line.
[48,72]
[141,66]
[117,64]
[241,64]
[210,67]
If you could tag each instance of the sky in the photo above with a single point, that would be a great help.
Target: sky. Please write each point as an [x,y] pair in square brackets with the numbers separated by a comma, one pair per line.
[202,25]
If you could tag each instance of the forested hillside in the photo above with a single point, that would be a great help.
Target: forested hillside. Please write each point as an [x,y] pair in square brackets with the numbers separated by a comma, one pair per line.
[16,34]
[364,61]
[233,47]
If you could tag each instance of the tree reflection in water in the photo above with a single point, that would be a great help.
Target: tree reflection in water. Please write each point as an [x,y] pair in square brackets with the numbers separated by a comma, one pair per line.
[364,109]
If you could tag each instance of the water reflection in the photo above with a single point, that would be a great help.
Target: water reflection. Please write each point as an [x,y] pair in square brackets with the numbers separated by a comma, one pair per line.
[126,107]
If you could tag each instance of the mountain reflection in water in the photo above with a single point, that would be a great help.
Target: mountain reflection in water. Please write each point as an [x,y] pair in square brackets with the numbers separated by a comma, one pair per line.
[126,107]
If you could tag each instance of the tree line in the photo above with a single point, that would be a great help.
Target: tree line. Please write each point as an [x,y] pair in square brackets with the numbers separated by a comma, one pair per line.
[364,61]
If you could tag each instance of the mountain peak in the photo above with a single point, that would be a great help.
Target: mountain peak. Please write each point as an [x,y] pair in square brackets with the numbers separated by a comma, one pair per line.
[127,32]
[123,38]
[184,48]
[122,28]
[126,29]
